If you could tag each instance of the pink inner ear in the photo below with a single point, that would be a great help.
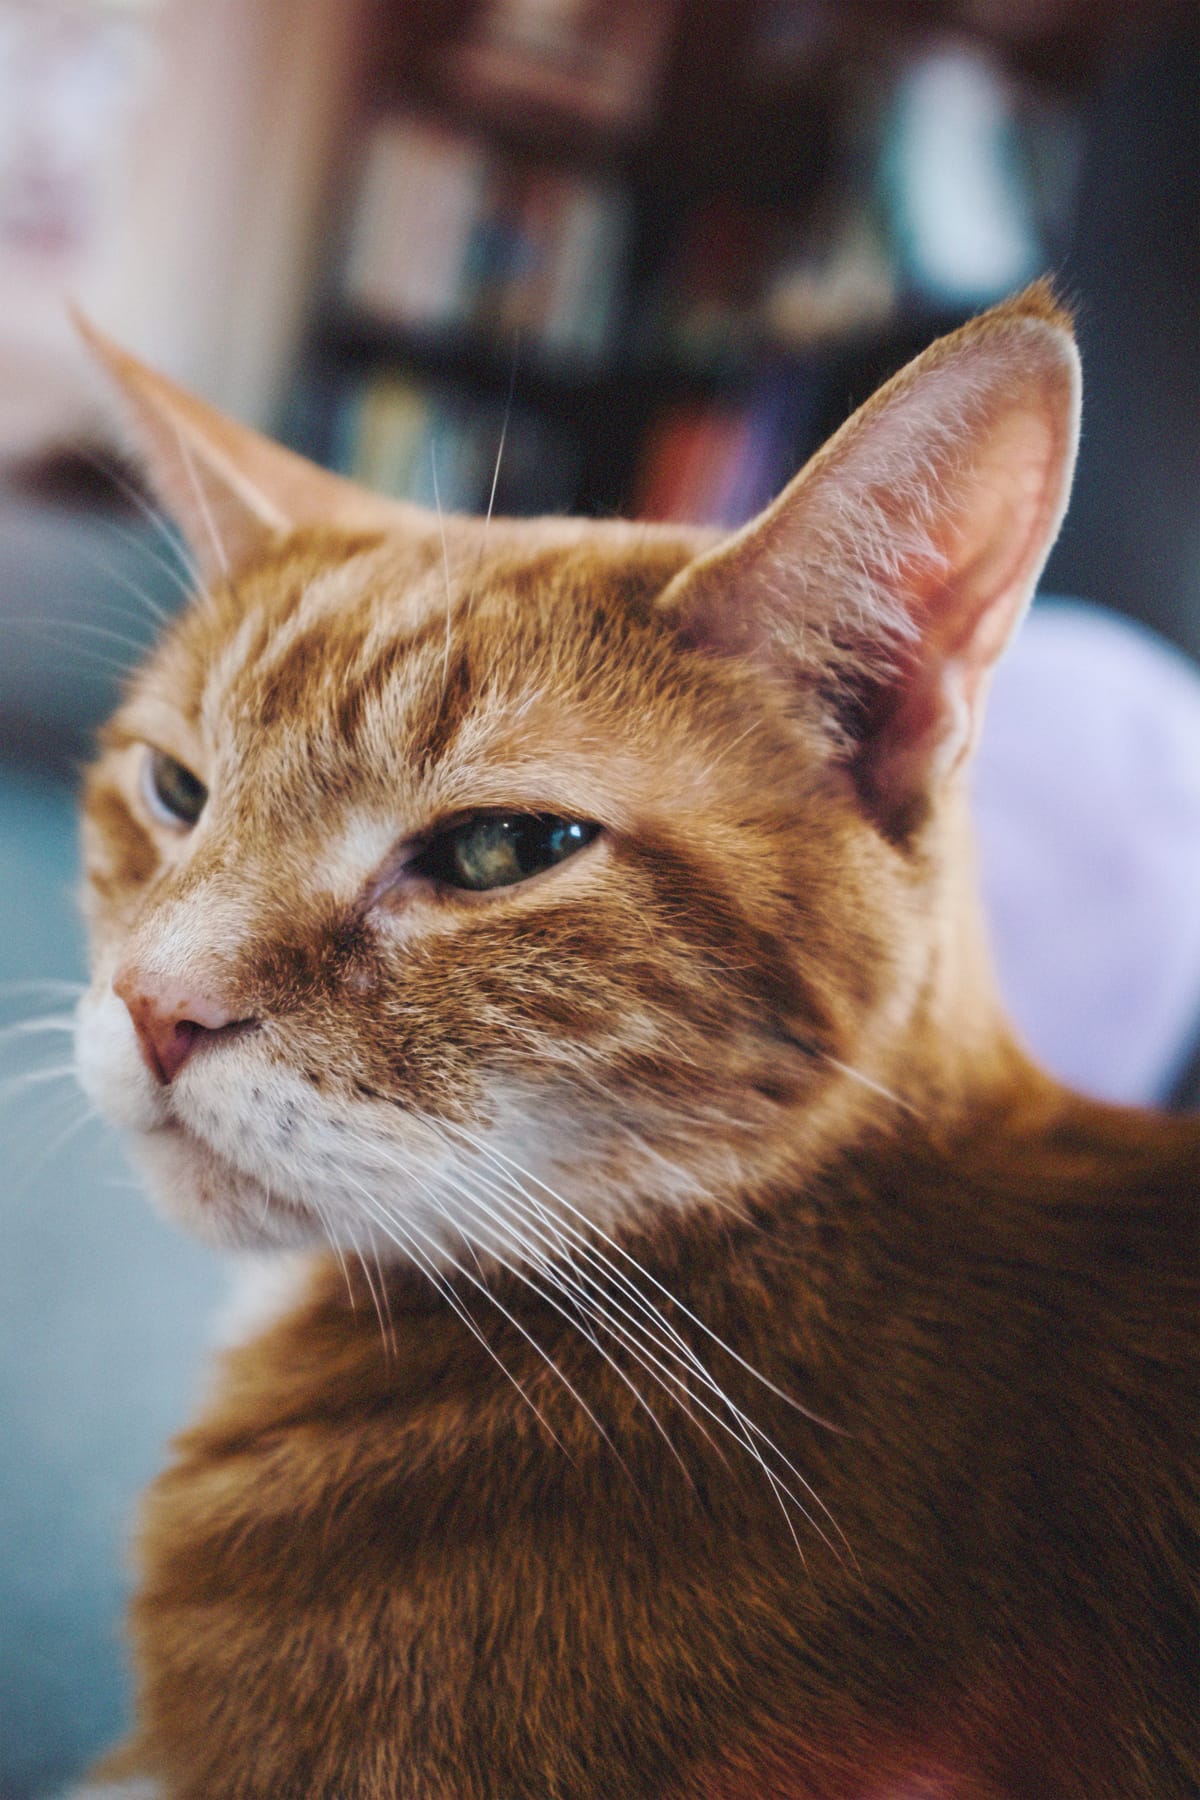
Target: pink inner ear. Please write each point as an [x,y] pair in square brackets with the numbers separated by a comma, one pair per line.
[990,553]
[995,545]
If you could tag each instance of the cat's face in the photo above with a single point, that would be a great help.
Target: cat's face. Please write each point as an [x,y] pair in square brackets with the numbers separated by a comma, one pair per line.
[636,1016]
[470,883]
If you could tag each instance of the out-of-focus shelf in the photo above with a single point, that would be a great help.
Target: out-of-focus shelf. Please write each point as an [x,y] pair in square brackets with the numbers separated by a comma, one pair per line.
[357,341]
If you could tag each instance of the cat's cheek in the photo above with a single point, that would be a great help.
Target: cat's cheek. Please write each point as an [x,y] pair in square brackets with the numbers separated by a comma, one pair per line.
[109,1065]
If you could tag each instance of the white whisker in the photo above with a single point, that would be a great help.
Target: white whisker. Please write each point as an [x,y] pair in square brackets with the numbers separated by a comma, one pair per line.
[139,646]
[132,587]
[52,985]
[176,576]
[557,1274]
[632,1333]
[89,1116]
[29,1078]
[76,1113]
[512,384]
[743,1419]
[331,1239]
[384,1217]
[628,1257]
[389,1344]
[153,516]
[390,1225]
[75,654]
[437,498]
[385,1297]
[746,1430]
[63,1022]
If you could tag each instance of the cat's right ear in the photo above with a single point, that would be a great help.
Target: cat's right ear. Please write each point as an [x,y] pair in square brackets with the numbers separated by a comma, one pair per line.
[232,492]
[886,580]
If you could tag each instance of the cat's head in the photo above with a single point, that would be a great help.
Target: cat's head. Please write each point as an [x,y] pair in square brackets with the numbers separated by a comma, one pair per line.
[449,877]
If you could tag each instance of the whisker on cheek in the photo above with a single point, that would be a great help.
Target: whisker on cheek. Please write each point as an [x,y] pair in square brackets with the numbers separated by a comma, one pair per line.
[379,1299]
[506,1163]
[332,1240]
[149,607]
[68,655]
[505,1232]
[45,1025]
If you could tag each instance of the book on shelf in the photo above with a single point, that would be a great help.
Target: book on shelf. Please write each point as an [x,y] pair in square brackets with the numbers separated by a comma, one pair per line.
[450,236]
[441,447]
[419,197]
[721,462]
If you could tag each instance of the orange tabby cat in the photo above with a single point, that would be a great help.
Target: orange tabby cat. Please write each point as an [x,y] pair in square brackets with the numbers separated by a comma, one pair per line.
[737,1371]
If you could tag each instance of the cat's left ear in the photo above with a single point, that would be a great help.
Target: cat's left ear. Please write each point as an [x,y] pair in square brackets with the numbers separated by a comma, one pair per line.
[232,491]
[891,573]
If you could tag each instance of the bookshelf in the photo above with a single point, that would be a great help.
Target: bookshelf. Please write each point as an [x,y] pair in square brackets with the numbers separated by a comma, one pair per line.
[661,238]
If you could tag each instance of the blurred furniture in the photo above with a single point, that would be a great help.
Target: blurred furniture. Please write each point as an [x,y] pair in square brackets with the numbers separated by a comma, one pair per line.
[745,195]
[1087,797]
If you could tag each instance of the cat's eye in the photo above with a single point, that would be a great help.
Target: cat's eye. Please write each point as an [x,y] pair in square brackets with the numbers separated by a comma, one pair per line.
[173,794]
[495,850]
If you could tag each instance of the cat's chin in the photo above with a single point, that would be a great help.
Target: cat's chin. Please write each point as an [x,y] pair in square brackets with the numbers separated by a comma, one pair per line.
[216,1201]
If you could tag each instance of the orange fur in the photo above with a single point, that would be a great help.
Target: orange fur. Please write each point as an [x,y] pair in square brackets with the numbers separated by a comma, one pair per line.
[755,1377]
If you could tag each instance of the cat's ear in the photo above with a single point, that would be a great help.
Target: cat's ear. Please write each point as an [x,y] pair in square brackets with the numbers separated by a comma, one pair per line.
[891,573]
[232,491]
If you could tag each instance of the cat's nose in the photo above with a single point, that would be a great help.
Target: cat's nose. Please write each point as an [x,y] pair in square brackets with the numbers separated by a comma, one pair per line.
[171,1020]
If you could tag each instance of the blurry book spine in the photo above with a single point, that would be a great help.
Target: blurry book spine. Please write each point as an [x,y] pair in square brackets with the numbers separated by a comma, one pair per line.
[391,420]
[445,448]
[720,463]
[451,237]
[584,293]
[419,198]
[660,476]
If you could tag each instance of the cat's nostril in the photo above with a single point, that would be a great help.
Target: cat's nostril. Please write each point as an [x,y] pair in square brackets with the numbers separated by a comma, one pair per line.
[171,1021]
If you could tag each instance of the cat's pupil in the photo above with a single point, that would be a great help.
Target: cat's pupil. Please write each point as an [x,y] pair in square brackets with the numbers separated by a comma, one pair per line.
[498,849]
[174,791]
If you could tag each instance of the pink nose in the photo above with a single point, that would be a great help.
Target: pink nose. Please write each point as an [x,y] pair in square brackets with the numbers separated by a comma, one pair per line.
[171,1020]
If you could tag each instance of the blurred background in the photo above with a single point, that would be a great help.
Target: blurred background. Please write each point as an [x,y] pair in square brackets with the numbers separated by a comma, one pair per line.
[664,246]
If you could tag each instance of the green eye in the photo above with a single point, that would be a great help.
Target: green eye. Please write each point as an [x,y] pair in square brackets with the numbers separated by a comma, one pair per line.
[172,793]
[495,850]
